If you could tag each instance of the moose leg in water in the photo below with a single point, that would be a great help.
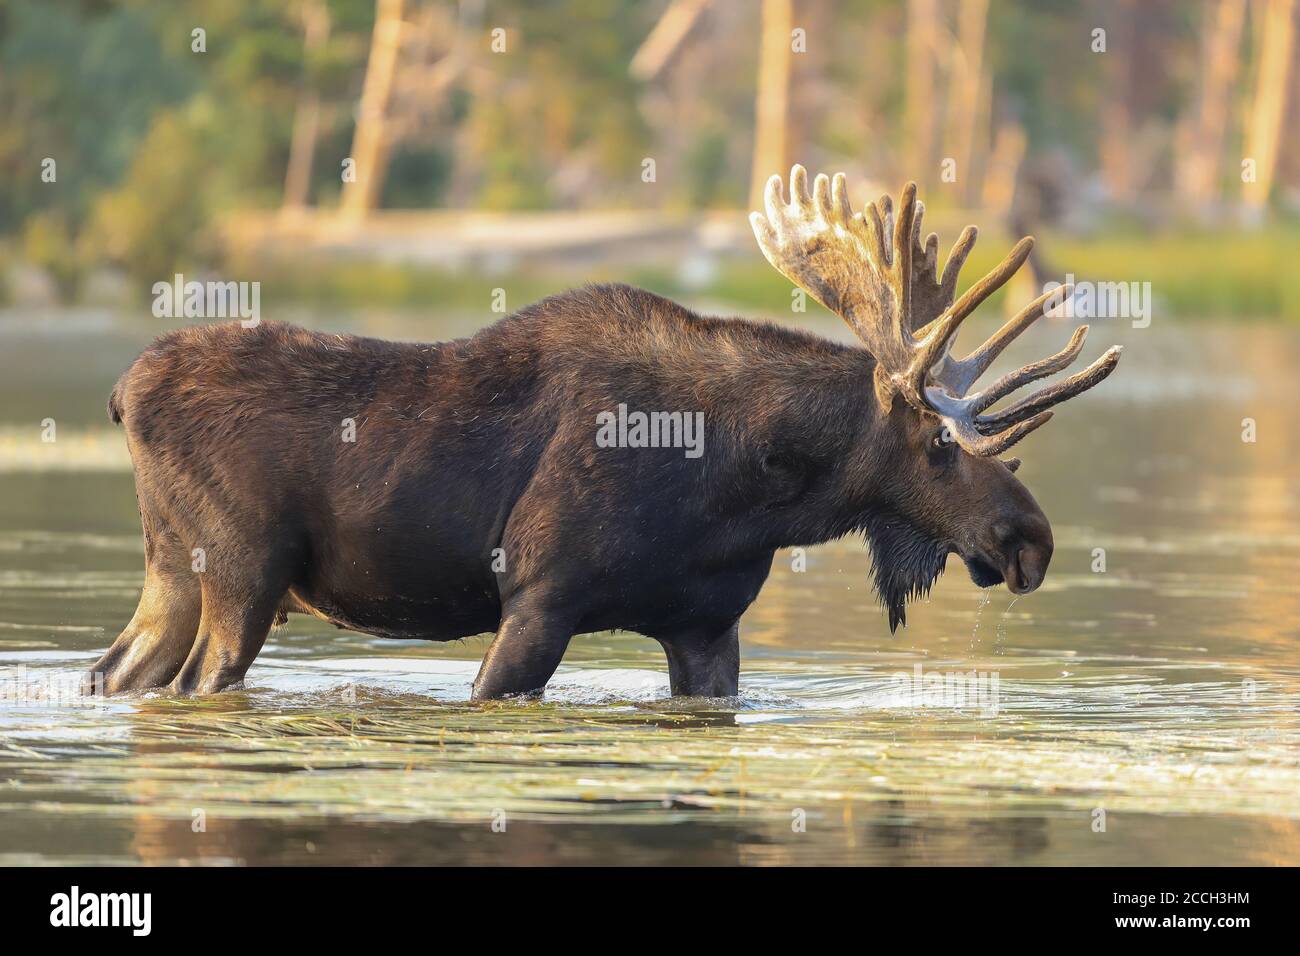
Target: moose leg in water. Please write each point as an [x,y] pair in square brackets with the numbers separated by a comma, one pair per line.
[154,645]
[527,650]
[703,661]
[240,601]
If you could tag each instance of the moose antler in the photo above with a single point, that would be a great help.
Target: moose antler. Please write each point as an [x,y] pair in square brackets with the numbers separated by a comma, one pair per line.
[872,269]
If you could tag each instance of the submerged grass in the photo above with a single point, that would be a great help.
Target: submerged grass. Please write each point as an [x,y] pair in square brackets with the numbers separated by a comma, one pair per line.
[394,756]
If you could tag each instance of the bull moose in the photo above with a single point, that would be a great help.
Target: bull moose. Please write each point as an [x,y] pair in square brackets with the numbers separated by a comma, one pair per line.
[475,496]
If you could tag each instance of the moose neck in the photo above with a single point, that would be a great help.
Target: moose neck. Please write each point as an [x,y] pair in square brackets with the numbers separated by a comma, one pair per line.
[827,470]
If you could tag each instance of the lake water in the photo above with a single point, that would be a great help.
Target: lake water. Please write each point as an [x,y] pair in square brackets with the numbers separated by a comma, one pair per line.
[1144,713]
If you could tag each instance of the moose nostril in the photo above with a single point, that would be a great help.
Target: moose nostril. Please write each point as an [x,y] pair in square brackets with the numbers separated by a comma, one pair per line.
[1031,567]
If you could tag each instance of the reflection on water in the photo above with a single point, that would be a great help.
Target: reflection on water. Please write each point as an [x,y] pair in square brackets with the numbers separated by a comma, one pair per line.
[1158,695]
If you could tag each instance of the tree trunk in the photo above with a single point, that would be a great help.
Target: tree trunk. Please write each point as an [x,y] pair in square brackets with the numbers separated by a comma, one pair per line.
[772,107]
[666,38]
[1004,169]
[918,99]
[1116,120]
[1199,168]
[370,142]
[1272,82]
[965,92]
[306,116]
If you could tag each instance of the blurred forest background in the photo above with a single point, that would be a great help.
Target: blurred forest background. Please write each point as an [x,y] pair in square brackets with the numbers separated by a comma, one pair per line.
[396,151]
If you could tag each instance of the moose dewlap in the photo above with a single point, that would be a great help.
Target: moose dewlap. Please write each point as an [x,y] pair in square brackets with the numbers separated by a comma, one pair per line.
[439,491]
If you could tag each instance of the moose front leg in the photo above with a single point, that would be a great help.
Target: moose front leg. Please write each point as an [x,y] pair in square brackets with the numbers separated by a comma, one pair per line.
[528,648]
[703,661]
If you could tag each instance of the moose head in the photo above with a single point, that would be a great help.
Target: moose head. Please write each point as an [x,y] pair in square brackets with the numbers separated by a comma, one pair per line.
[947,490]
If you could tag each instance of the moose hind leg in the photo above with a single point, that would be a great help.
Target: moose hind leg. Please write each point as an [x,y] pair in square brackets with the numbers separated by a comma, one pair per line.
[703,661]
[237,616]
[153,646]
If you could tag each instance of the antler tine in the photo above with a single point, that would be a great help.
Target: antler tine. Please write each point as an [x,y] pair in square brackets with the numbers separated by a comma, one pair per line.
[879,230]
[932,293]
[974,296]
[799,194]
[903,261]
[986,446]
[1052,394]
[956,259]
[885,207]
[840,204]
[958,375]
[822,197]
[928,263]
[774,201]
[939,334]
[779,235]
[1030,373]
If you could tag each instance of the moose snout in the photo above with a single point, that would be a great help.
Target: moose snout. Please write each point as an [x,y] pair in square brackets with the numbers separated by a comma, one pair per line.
[1017,554]
[1026,567]
[1026,553]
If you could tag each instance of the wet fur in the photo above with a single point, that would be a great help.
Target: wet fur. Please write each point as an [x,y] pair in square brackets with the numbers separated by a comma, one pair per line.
[905,563]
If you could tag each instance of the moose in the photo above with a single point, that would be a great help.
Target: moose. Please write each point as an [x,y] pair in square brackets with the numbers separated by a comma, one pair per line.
[472,495]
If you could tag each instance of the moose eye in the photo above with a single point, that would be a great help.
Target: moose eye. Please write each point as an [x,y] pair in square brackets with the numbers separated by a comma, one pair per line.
[943,439]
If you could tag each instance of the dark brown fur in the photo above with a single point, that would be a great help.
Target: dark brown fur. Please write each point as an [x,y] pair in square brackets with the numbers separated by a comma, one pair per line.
[489,442]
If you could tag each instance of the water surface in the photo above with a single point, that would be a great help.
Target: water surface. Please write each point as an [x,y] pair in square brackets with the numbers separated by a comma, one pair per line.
[1157,697]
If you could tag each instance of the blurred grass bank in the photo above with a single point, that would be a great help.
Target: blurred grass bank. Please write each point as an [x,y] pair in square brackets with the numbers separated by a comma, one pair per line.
[1247,275]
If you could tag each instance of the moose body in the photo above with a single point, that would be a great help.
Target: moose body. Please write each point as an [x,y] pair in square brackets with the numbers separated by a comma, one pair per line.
[479,454]
[440,491]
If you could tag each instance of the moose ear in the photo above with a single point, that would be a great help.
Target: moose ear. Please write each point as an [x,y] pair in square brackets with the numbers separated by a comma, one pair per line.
[1012,464]
[884,389]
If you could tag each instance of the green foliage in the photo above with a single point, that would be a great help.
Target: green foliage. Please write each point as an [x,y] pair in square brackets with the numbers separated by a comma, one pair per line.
[565,92]
[417,177]
[48,243]
[512,176]
[707,183]
[79,84]
[153,223]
